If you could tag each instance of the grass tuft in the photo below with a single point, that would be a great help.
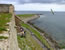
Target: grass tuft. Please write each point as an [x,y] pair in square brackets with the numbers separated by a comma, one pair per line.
[2,37]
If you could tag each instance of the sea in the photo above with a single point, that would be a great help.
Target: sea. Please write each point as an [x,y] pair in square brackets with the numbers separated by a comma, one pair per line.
[52,24]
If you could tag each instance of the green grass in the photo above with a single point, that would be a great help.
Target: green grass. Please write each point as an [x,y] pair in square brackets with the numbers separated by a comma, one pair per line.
[37,34]
[62,45]
[4,18]
[1,28]
[26,15]
[2,37]
[28,43]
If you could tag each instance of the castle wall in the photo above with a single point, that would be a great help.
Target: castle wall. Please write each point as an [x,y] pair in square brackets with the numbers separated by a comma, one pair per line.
[6,8]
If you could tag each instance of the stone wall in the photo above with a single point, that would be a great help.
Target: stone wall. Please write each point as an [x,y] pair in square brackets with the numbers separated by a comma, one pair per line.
[6,8]
[11,9]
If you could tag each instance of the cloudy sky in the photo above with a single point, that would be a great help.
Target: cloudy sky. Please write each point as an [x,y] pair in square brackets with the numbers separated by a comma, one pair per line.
[36,5]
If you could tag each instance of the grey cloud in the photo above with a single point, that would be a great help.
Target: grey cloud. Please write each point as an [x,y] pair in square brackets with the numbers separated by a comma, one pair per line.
[36,1]
[8,0]
[42,1]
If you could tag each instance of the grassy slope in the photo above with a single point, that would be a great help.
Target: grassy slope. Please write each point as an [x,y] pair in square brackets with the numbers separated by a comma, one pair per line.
[4,18]
[37,34]
[28,43]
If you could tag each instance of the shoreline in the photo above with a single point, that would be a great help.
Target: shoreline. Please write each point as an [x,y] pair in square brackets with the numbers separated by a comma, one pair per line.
[45,34]
[48,38]
[31,18]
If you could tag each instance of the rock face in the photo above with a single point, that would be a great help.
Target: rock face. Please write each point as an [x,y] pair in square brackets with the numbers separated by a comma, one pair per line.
[6,8]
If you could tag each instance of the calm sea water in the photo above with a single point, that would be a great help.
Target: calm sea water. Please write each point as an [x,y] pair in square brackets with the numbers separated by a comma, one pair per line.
[53,25]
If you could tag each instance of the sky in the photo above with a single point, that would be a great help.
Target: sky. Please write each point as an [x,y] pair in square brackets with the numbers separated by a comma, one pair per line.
[36,5]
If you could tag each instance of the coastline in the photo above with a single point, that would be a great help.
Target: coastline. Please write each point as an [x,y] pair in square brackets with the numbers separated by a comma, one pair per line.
[36,16]
[48,38]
